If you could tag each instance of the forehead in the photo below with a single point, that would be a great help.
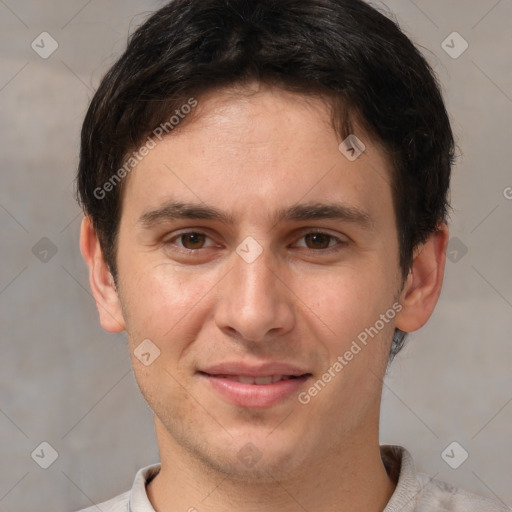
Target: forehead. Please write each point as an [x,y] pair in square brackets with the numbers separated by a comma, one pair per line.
[255,151]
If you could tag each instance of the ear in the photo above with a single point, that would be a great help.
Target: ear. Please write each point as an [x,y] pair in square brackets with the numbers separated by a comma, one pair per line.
[101,280]
[424,282]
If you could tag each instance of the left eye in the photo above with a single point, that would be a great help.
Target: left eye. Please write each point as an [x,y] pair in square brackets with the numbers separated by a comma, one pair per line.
[191,240]
[320,240]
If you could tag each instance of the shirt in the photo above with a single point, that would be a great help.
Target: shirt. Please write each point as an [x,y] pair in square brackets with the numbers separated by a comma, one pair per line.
[415,492]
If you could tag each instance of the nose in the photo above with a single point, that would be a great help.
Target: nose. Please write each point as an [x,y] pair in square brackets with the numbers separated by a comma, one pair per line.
[255,301]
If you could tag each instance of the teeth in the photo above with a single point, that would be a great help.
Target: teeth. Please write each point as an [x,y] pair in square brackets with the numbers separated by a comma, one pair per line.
[268,379]
[263,380]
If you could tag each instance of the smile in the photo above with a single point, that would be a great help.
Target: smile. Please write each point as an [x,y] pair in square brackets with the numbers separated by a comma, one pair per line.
[255,392]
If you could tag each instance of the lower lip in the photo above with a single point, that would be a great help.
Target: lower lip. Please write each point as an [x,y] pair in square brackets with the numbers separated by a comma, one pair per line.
[255,395]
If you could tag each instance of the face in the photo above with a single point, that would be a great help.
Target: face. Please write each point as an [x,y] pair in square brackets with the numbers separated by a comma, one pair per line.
[284,256]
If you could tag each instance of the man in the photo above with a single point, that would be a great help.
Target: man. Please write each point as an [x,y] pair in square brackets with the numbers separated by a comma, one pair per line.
[265,194]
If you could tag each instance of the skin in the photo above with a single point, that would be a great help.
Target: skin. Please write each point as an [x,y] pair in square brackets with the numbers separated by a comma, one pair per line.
[302,301]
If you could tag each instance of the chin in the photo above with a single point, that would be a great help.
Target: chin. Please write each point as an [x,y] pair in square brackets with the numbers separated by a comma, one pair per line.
[255,458]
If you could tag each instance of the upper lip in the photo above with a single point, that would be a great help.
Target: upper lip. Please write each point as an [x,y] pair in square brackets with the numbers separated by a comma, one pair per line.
[255,370]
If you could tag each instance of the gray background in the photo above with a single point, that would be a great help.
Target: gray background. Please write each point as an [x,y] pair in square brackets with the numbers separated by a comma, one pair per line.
[65,381]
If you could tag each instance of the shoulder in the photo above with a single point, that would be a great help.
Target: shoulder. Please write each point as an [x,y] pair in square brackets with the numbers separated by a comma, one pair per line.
[418,492]
[118,504]
[443,496]
[134,499]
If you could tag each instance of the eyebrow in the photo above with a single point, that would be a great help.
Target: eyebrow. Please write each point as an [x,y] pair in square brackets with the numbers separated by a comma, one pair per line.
[174,210]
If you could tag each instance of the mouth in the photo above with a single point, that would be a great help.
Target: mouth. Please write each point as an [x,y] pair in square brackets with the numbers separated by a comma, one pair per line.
[255,391]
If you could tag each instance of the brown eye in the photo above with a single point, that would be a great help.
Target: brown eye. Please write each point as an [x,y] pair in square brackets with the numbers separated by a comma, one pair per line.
[318,240]
[192,240]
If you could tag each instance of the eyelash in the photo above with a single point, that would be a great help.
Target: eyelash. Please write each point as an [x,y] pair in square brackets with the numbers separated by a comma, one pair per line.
[341,243]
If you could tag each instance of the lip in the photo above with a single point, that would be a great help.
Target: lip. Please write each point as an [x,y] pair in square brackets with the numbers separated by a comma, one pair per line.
[254,395]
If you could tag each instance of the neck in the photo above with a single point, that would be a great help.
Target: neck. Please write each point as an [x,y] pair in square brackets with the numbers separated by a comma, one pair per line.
[350,477]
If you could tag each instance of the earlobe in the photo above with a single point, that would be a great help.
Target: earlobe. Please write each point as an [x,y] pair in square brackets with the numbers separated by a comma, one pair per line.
[424,282]
[100,279]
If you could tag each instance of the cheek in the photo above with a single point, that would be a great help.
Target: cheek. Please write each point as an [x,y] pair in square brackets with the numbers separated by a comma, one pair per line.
[159,298]
[345,301]
[170,307]
[350,305]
